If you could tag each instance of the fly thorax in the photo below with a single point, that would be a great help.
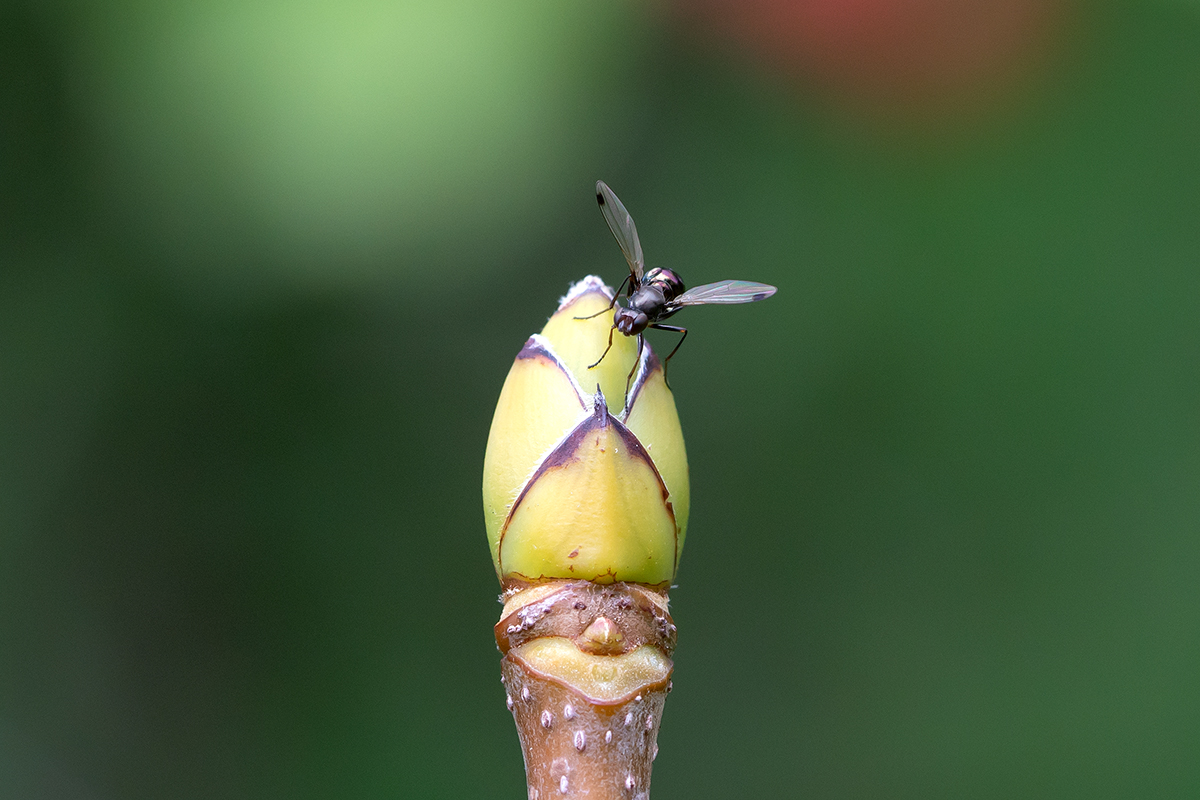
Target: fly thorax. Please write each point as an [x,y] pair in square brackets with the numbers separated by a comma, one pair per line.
[666,281]
[648,298]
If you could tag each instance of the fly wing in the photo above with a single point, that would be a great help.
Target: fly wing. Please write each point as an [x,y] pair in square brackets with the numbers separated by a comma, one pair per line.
[622,227]
[723,292]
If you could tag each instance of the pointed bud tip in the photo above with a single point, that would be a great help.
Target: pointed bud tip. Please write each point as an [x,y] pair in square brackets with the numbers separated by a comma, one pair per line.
[600,406]
[591,283]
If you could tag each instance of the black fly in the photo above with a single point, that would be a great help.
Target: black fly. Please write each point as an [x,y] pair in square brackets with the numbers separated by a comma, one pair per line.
[658,293]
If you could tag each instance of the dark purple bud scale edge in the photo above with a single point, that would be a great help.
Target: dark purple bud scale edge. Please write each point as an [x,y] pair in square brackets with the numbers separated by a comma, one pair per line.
[565,453]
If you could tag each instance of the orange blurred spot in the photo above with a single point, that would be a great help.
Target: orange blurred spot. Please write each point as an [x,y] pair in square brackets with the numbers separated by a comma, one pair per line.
[891,51]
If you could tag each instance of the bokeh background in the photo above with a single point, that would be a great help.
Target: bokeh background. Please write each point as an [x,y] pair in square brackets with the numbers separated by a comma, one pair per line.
[265,264]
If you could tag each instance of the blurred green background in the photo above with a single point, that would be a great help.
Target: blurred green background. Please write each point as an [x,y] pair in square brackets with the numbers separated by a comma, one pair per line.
[265,265]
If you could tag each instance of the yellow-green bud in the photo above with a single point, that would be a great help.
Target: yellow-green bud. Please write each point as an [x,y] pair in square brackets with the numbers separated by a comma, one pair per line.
[576,485]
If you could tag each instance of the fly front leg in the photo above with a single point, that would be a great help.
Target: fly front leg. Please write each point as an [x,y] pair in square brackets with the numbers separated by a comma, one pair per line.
[610,308]
[602,355]
[677,344]
[636,361]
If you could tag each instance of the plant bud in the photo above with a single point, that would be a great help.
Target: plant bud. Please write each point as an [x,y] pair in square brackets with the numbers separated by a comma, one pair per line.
[579,483]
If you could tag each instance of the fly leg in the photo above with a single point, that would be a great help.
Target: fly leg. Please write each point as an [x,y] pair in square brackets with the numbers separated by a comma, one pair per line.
[610,333]
[667,360]
[610,307]
[636,361]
